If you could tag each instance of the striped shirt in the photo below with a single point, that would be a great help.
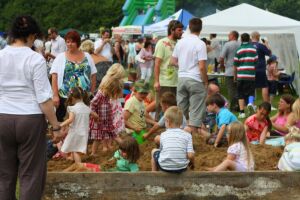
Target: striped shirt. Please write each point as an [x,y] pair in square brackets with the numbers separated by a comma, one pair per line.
[174,146]
[245,60]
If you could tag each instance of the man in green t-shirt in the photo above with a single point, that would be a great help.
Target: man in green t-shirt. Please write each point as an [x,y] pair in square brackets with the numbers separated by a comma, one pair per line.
[165,75]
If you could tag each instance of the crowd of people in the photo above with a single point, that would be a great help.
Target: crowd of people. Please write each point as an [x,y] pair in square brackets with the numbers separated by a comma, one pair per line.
[79,98]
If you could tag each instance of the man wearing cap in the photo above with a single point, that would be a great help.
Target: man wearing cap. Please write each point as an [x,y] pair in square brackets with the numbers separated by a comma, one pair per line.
[135,114]
[165,75]
[191,55]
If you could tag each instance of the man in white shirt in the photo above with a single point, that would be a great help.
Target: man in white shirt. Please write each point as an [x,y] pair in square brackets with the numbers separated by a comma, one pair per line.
[104,47]
[190,55]
[58,44]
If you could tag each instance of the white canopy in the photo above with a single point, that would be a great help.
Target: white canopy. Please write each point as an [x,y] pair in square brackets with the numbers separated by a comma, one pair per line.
[247,18]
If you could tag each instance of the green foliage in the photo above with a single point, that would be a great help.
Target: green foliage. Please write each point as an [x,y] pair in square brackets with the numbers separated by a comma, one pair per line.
[89,15]
[86,15]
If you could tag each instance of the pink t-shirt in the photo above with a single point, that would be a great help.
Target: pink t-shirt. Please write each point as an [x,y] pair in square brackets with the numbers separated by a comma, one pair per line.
[281,120]
[255,128]
[146,54]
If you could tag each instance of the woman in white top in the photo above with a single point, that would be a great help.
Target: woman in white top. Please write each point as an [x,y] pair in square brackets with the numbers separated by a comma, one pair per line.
[25,101]
[73,68]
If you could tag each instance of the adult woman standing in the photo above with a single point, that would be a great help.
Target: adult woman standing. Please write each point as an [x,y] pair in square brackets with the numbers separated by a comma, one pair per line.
[25,100]
[73,68]
[146,68]
[102,64]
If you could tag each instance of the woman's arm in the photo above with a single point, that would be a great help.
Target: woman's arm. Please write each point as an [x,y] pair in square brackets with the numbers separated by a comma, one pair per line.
[47,109]
[55,89]
[93,83]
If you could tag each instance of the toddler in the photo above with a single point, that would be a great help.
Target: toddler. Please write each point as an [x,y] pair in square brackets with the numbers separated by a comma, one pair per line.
[290,159]
[78,124]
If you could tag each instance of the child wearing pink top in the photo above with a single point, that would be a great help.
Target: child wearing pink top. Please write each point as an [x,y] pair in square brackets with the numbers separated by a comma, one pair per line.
[272,74]
[258,125]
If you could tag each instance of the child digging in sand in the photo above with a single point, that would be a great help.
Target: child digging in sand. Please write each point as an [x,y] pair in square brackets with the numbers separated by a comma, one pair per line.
[176,151]
[124,159]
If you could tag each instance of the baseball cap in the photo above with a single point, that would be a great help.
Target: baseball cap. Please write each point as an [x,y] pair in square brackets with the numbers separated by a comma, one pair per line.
[141,86]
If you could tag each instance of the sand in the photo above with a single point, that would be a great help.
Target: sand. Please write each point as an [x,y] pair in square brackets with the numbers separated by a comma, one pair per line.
[266,157]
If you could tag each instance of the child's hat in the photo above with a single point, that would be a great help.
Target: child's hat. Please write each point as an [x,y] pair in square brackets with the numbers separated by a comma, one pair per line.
[271,59]
[141,86]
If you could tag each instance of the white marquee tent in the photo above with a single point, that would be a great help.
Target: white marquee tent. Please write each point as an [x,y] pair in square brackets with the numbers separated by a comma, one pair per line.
[283,33]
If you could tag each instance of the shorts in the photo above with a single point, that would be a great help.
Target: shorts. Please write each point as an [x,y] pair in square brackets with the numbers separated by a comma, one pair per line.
[156,157]
[245,88]
[191,95]
[261,80]
[272,87]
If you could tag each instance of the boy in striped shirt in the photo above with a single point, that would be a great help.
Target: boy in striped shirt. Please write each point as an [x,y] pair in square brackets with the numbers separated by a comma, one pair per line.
[176,151]
[244,65]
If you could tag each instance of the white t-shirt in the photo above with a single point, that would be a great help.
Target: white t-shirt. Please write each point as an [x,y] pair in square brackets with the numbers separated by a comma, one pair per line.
[189,51]
[59,64]
[174,146]
[58,45]
[24,83]
[106,51]
[240,152]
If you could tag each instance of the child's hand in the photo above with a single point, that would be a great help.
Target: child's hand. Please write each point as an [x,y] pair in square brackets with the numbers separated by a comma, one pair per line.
[137,130]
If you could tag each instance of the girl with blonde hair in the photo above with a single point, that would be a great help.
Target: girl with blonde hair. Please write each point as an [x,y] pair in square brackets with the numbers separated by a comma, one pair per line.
[239,156]
[290,159]
[294,117]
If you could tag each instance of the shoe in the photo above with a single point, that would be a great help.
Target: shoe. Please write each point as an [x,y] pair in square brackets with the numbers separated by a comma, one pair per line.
[242,116]
[251,109]
[272,108]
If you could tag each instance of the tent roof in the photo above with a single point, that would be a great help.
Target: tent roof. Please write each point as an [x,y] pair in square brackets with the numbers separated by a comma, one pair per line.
[245,17]
[161,27]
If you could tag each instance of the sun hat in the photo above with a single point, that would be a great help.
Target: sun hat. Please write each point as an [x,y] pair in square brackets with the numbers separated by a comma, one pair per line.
[141,86]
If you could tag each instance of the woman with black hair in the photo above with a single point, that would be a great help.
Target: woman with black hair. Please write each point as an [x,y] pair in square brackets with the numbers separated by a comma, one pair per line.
[25,101]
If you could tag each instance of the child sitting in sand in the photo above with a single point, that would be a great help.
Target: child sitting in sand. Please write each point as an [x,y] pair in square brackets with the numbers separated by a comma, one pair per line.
[215,104]
[167,100]
[176,151]
[124,159]
[239,157]
[258,125]
[290,159]
[135,115]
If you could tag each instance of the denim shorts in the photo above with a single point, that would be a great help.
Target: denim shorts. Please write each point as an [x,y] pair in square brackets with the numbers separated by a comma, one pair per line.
[156,157]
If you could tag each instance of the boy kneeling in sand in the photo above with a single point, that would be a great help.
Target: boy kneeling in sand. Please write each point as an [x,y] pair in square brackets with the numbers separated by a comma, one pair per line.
[176,151]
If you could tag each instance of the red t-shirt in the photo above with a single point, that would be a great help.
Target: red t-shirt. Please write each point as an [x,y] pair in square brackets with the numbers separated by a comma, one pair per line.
[255,128]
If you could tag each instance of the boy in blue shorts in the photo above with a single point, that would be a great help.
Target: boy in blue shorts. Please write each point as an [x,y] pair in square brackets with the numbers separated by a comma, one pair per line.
[215,104]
